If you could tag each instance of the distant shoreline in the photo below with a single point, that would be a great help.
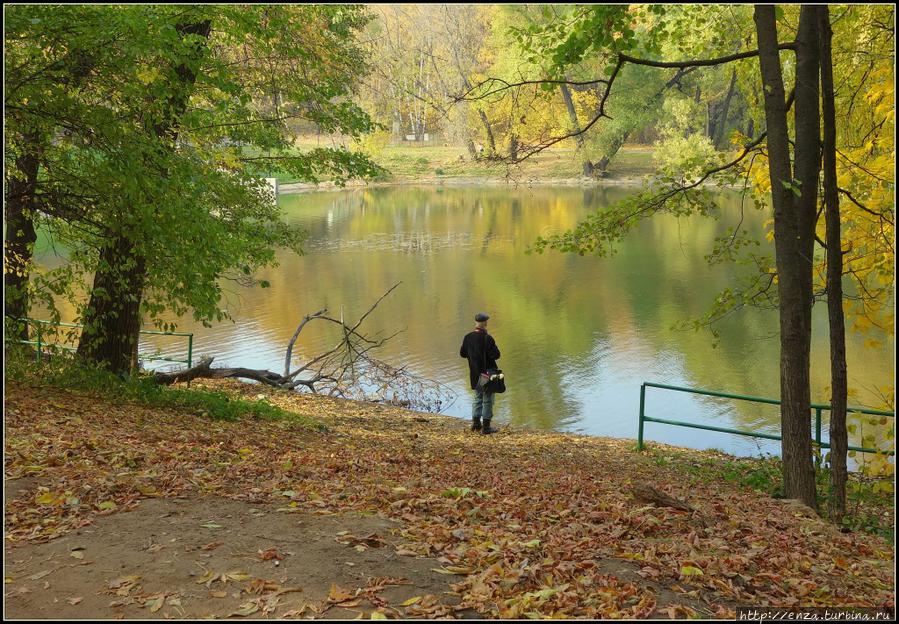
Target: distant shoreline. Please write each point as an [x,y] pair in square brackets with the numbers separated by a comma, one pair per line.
[460,181]
[454,181]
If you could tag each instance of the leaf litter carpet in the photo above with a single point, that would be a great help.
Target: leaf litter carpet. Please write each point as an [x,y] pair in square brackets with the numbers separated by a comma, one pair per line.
[119,510]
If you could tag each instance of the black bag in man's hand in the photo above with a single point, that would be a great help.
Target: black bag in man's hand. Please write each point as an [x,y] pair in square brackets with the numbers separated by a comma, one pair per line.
[492,381]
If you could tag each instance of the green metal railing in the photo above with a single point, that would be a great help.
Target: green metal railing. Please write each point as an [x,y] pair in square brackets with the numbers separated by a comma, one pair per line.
[819,409]
[40,343]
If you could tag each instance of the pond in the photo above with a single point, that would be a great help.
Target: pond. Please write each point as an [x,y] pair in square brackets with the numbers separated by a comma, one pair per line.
[578,335]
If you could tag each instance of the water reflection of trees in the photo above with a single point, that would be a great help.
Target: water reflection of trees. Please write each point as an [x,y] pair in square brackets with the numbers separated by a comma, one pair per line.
[460,250]
[550,308]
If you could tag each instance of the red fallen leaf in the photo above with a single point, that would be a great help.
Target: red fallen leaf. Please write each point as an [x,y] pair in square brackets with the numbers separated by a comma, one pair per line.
[648,572]
[260,586]
[211,546]
[271,553]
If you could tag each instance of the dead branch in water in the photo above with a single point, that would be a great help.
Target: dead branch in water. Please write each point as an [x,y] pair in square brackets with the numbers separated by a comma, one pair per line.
[347,370]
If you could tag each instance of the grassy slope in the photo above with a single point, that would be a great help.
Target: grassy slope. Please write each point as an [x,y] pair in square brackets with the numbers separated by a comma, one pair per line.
[527,520]
[407,163]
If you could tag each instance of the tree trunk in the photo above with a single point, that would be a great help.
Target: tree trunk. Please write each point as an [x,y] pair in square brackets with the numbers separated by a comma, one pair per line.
[20,235]
[838,435]
[463,76]
[575,126]
[22,204]
[807,168]
[472,150]
[112,319]
[489,130]
[722,122]
[513,147]
[602,165]
[793,252]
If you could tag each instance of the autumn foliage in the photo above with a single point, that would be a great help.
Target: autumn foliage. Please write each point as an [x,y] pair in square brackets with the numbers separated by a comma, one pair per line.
[526,524]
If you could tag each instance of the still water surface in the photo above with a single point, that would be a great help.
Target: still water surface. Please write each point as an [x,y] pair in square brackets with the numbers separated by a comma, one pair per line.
[578,335]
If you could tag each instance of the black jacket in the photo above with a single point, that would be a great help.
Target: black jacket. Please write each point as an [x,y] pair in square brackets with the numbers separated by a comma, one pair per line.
[482,353]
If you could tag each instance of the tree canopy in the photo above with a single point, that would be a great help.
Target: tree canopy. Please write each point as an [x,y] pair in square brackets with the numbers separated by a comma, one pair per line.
[151,126]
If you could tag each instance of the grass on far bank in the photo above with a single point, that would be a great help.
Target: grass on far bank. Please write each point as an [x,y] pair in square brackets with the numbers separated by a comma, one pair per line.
[409,162]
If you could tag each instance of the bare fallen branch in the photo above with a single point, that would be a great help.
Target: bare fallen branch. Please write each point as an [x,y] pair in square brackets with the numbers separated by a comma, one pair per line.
[347,370]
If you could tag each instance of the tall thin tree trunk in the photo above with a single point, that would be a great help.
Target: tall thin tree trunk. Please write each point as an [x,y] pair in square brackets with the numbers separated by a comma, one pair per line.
[489,129]
[793,238]
[722,122]
[839,386]
[20,236]
[807,120]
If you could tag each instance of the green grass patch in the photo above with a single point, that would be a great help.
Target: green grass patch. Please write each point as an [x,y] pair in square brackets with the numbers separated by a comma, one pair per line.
[870,506]
[67,373]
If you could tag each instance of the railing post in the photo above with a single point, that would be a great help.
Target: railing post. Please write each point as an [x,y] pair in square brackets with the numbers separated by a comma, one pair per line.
[190,353]
[640,424]
[37,355]
[818,426]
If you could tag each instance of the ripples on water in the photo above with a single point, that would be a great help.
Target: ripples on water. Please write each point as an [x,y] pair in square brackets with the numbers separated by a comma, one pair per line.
[578,334]
[403,242]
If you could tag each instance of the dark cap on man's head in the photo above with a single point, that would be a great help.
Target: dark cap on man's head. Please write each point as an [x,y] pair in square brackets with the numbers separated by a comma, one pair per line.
[480,317]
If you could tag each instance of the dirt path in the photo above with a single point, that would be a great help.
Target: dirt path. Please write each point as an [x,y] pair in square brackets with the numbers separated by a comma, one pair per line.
[121,565]
[178,550]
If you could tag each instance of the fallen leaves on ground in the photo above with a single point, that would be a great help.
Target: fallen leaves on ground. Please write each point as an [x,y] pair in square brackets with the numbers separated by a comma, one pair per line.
[526,524]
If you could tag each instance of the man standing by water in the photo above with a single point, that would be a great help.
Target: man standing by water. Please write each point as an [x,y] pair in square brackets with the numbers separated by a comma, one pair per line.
[480,349]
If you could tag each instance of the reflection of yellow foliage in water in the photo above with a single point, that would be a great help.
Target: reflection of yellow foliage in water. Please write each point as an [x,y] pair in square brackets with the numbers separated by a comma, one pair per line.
[564,323]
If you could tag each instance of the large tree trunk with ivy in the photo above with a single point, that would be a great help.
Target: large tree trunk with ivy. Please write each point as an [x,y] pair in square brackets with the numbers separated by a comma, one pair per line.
[839,387]
[113,317]
[21,188]
[112,320]
[794,214]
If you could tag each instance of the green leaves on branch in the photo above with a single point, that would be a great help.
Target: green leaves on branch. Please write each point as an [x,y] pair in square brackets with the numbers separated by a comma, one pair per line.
[584,31]
[150,131]
[794,186]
